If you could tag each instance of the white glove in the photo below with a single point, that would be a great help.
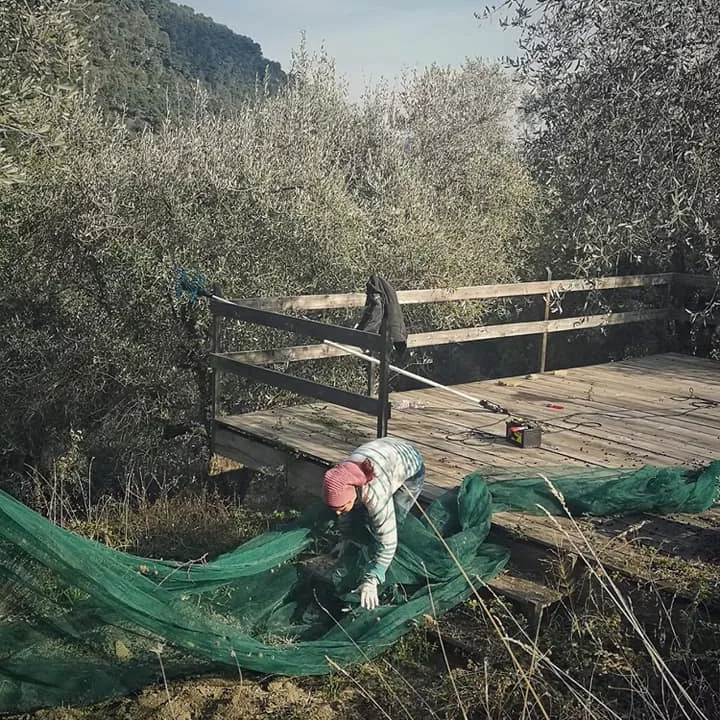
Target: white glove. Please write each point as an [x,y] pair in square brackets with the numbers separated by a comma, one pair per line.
[368,593]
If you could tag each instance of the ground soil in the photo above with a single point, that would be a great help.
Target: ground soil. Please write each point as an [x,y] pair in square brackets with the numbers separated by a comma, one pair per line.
[211,700]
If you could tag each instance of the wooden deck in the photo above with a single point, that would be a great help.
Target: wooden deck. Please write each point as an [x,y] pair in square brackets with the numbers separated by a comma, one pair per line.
[660,410]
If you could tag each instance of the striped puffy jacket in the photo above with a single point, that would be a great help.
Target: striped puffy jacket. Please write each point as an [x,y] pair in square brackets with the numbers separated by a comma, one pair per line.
[394,462]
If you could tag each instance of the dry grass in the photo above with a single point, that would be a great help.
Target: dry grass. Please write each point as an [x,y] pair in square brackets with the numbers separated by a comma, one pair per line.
[613,649]
[156,519]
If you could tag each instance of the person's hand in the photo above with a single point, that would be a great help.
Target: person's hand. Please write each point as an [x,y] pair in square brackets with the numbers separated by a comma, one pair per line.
[368,593]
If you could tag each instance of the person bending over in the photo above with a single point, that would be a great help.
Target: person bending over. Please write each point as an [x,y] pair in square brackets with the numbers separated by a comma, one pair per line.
[386,476]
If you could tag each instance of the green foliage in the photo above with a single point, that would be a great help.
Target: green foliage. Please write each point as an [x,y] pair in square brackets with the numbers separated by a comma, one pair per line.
[147,58]
[40,59]
[300,192]
[624,129]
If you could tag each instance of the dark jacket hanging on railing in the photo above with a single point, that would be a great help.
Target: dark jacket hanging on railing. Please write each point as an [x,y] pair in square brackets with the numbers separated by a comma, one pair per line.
[381,298]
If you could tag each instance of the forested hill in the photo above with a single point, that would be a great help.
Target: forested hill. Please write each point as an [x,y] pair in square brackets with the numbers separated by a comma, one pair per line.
[146,53]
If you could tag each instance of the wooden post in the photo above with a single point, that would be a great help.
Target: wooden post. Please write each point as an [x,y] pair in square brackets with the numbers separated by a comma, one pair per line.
[543,345]
[383,378]
[216,374]
[370,377]
[669,298]
[679,293]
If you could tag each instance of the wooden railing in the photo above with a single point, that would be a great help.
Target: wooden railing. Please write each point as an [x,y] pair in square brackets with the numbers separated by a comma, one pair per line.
[244,365]
[271,312]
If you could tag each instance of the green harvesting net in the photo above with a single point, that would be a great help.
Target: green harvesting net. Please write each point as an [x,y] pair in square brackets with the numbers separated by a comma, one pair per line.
[80,622]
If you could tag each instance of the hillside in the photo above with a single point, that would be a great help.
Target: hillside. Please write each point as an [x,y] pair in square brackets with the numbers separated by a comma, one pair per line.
[147,54]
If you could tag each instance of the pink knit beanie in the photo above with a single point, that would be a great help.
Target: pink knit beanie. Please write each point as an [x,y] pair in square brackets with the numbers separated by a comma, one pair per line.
[340,482]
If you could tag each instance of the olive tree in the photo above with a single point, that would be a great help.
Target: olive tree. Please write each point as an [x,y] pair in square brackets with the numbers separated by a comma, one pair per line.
[623,118]
[299,191]
[41,59]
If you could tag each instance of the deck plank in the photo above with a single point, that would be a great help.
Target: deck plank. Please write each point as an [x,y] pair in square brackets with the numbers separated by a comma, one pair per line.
[662,410]
[621,414]
[605,447]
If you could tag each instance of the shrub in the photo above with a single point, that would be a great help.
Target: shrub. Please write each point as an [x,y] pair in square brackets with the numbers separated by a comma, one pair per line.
[300,192]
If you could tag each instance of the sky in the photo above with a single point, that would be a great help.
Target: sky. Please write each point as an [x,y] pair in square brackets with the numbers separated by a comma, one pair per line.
[368,39]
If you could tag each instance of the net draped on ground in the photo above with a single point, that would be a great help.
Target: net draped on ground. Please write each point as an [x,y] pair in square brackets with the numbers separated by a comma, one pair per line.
[80,622]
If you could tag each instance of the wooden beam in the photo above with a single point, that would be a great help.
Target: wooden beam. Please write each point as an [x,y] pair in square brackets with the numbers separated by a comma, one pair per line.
[443,337]
[486,332]
[544,342]
[304,475]
[308,388]
[251,452]
[383,379]
[216,376]
[705,282]
[309,328]
[485,292]
[287,354]
[305,302]
[475,292]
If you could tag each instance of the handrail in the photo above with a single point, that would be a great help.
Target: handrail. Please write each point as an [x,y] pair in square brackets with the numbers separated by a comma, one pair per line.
[298,353]
[270,312]
[224,363]
[294,303]
[311,328]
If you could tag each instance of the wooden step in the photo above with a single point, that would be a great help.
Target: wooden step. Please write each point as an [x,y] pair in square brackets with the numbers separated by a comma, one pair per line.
[534,597]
